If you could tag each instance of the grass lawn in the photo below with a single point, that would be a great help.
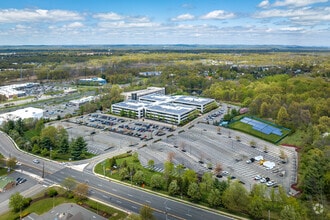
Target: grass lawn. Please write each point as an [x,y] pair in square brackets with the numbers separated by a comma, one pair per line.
[131,162]
[295,138]
[3,171]
[249,130]
[44,205]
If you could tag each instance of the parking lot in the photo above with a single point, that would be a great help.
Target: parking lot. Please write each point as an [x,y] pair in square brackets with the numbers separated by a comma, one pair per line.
[198,146]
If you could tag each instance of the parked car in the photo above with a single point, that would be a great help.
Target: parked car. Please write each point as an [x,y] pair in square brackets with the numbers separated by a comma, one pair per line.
[18,180]
[257,177]
[22,181]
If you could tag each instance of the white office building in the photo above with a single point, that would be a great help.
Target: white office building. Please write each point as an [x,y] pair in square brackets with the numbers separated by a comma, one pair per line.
[135,95]
[201,104]
[129,108]
[169,113]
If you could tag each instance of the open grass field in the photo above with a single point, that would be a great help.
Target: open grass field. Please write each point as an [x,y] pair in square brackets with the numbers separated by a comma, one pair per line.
[246,128]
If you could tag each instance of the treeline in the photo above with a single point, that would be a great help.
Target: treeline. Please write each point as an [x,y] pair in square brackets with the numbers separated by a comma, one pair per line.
[47,141]
[207,190]
[300,103]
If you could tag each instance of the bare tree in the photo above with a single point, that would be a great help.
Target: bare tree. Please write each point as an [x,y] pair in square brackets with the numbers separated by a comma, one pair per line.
[81,191]
[183,146]
[218,129]
[170,156]
[217,169]
[253,144]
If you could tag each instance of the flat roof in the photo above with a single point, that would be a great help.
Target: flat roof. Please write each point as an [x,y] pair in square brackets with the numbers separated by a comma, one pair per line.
[157,98]
[192,100]
[131,104]
[169,108]
[24,113]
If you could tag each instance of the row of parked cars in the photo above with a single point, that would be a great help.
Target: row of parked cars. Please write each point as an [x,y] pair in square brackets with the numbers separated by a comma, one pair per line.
[266,180]
[20,180]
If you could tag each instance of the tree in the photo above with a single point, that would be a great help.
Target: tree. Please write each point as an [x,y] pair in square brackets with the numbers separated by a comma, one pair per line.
[217,169]
[81,191]
[69,184]
[112,162]
[168,168]
[282,117]
[173,188]
[156,181]
[78,146]
[256,207]
[151,164]
[289,213]
[146,213]
[170,156]
[194,192]
[214,198]
[124,174]
[236,197]
[207,179]
[190,175]
[11,162]
[17,202]
[264,109]
[138,177]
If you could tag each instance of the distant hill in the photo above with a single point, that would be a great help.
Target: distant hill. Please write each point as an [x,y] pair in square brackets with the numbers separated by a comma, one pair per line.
[166,48]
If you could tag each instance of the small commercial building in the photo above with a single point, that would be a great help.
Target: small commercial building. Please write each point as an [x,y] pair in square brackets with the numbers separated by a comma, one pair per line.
[96,81]
[79,102]
[30,112]
[150,73]
[16,90]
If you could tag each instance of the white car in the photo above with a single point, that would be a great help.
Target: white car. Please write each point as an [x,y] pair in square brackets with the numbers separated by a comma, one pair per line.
[257,177]
[263,180]
[36,161]
[271,183]
[18,163]
[225,173]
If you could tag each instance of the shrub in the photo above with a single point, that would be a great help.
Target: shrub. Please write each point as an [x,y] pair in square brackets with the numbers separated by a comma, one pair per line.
[52,192]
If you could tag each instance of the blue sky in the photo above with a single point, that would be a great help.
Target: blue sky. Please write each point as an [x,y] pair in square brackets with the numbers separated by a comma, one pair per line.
[245,22]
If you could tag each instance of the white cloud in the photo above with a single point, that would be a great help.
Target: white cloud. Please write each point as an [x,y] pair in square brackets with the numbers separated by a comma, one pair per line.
[218,15]
[37,15]
[264,4]
[109,16]
[75,25]
[306,15]
[184,17]
[293,29]
[123,24]
[297,3]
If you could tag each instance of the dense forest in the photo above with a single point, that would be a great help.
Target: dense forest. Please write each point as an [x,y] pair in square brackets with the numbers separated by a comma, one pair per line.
[288,88]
